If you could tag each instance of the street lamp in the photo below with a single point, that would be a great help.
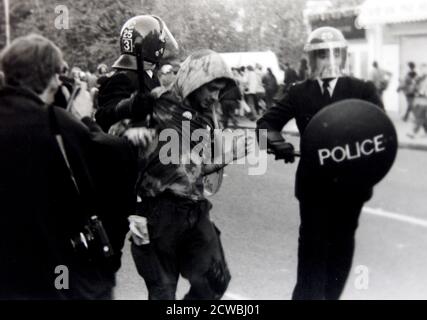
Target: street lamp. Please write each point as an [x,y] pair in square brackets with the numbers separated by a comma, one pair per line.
[7,21]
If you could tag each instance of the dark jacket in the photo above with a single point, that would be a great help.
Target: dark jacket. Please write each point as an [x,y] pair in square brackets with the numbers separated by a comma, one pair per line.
[114,97]
[41,209]
[291,77]
[270,83]
[302,101]
[232,94]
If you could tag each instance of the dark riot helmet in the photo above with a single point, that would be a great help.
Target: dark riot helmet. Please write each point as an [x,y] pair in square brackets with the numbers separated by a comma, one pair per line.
[153,33]
[327,43]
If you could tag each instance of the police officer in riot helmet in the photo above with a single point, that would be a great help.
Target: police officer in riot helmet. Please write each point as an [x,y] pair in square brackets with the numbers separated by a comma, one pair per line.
[126,94]
[329,211]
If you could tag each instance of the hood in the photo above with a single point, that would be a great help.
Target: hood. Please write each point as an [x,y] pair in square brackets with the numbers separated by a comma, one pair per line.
[199,69]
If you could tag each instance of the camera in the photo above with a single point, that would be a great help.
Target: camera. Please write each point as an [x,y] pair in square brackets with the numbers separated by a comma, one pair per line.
[93,243]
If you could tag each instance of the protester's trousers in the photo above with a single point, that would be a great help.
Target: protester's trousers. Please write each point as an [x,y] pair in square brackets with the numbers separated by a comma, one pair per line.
[183,241]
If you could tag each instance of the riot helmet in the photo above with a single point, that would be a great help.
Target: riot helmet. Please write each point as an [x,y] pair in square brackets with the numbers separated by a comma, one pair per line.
[326,48]
[152,32]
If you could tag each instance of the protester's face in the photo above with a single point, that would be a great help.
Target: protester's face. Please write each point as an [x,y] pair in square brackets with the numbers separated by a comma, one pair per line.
[207,95]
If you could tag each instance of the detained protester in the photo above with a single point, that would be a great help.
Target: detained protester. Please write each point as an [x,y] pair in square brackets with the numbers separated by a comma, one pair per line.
[125,95]
[66,188]
[329,210]
[182,238]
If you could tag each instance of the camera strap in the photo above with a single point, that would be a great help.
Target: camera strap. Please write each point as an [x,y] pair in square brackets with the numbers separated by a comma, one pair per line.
[86,202]
[93,224]
[60,143]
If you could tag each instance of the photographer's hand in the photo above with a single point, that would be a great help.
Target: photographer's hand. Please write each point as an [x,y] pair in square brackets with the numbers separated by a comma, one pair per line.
[82,106]
[141,137]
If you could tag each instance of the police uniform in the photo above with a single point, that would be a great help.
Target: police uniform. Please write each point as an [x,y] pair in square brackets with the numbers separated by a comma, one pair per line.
[125,94]
[115,98]
[329,213]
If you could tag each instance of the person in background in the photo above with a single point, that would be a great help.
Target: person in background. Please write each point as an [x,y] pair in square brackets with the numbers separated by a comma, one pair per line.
[251,91]
[420,102]
[380,78]
[290,76]
[408,87]
[102,74]
[303,70]
[270,85]
[260,91]
[167,75]
[230,102]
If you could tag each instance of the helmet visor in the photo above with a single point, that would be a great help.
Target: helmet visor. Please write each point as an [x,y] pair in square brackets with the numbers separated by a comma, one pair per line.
[328,62]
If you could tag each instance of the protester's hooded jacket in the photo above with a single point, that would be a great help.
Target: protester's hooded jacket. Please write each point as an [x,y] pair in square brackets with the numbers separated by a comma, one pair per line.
[176,118]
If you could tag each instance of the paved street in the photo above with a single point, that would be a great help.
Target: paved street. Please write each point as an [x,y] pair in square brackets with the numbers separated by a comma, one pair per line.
[258,217]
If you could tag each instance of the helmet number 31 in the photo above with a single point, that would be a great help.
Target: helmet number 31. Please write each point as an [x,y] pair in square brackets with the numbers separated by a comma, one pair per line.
[127,40]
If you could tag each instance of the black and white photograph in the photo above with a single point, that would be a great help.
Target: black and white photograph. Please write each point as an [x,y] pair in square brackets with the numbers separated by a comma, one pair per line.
[233,150]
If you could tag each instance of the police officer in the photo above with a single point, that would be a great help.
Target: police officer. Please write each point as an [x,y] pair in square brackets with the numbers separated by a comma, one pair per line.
[329,212]
[125,94]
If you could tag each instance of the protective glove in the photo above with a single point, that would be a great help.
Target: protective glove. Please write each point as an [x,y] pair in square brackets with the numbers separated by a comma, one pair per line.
[284,150]
[136,107]
[281,149]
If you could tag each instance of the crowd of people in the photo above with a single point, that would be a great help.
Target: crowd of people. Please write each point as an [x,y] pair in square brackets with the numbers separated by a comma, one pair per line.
[258,87]
[83,163]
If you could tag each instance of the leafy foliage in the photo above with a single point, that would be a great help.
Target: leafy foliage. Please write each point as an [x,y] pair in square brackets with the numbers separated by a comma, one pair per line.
[221,25]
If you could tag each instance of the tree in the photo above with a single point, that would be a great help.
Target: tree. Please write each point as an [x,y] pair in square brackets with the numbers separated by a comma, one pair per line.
[221,25]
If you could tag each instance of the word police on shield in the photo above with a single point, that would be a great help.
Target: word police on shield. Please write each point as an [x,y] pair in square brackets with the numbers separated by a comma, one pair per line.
[350,142]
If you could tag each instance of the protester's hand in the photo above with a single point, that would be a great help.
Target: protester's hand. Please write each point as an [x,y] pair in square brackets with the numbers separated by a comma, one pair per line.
[82,106]
[286,151]
[140,137]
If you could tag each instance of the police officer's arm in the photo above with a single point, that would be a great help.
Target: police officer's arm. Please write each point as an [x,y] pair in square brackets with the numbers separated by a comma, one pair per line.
[370,94]
[118,101]
[273,121]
